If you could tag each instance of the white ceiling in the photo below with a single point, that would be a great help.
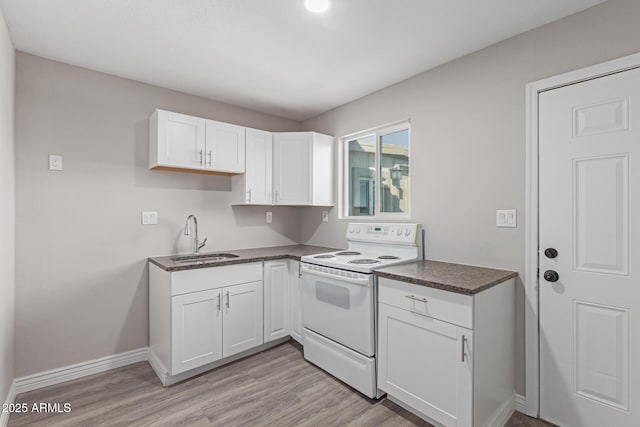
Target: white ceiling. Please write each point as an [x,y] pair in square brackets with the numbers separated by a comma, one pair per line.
[271,55]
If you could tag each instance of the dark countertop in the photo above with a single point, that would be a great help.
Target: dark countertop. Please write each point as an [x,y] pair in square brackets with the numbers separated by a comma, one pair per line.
[244,256]
[462,279]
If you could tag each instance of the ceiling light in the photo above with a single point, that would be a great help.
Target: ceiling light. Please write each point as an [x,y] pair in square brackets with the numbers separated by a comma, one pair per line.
[316,6]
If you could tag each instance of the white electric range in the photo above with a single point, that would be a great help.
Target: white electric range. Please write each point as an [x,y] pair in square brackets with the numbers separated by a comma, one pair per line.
[339,300]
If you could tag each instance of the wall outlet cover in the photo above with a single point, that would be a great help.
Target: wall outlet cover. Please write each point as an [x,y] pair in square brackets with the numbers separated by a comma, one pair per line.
[325,216]
[55,162]
[269,217]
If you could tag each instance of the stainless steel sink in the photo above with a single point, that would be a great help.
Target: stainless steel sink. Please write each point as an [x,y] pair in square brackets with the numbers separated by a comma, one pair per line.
[201,259]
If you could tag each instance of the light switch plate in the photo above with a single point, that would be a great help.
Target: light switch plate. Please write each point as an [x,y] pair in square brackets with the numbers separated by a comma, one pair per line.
[149,218]
[55,162]
[325,216]
[506,218]
[269,217]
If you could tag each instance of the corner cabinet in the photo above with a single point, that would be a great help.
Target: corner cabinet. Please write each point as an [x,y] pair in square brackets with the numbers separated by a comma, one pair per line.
[303,169]
[295,297]
[447,356]
[282,300]
[182,142]
[255,187]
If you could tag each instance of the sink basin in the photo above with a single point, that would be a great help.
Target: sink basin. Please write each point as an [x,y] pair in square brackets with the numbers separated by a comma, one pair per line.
[201,259]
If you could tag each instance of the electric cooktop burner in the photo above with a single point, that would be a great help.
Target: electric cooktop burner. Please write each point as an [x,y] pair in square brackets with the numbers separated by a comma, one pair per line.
[324,256]
[388,257]
[364,261]
[349,253]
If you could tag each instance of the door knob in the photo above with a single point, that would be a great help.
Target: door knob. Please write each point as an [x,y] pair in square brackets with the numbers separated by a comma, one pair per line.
[551,276]
[550,253]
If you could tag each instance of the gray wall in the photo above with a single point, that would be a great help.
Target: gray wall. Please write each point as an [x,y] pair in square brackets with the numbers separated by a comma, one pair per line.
[81,252]
[468,138]
[7,210]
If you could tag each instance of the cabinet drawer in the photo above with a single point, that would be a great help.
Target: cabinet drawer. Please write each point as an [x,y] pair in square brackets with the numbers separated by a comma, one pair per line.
[201,279]
[446,306]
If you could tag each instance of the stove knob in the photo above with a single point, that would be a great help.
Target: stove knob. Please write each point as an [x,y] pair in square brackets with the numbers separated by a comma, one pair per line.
[357,231]
[351,230]
[407,231]
[399,231]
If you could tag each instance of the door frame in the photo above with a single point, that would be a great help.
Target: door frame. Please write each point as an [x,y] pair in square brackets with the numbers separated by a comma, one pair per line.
[532,314]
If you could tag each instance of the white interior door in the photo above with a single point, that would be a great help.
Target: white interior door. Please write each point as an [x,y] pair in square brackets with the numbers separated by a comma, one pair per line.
[589,213]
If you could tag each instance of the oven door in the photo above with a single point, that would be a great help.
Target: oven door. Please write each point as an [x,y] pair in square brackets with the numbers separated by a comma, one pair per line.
[338,305]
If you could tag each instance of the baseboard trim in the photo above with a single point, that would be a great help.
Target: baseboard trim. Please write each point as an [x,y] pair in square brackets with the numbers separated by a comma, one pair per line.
[11,397]
[158,367]
[79,370]
[503,413]
[520,403]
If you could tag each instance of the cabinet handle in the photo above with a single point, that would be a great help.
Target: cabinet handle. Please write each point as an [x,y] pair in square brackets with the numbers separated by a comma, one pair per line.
[219,300]
[210,156]
[201,162]
[249,199]
[415,298]
[276,196]
[299,270]
[228,300]
[463,353]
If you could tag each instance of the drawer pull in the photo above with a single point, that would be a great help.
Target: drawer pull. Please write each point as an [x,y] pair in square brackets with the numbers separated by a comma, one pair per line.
[415,298]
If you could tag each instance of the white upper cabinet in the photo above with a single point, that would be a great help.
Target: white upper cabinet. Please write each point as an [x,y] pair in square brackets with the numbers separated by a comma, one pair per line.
[179,141]
[176,140]
[255,187]
[303,169]
[225,147]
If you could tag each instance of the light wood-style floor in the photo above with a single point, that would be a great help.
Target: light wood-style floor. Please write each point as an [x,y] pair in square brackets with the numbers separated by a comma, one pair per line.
[274,388]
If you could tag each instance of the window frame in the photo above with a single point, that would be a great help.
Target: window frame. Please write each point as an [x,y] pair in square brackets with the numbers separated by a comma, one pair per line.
[343,175]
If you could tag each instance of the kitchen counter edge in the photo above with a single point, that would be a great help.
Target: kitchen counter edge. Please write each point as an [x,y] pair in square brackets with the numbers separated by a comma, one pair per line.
[458,278]
[245,256]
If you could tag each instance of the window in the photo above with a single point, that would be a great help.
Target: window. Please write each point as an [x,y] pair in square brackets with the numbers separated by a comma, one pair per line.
[375,173]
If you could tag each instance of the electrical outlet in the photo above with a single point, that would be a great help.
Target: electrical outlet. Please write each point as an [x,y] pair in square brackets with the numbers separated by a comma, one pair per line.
[269,217]
[149,218]
[325,216]
[506,218]
[55,162]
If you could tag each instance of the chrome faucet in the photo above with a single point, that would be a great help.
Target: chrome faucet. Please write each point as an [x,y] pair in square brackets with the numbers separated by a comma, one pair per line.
[187,231]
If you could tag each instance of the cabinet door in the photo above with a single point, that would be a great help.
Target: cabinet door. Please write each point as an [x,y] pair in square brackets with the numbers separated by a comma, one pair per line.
[295,292]
[322,179]
[242,326]
[181,140]
[196,330]
[225,147]
[276,296]
[427,364]
[259,167]
[292,168]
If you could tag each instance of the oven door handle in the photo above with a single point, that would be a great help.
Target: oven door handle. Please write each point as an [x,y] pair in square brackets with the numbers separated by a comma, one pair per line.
[362,281]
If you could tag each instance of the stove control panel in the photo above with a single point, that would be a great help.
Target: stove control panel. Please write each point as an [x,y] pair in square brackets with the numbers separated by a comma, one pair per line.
[383,232]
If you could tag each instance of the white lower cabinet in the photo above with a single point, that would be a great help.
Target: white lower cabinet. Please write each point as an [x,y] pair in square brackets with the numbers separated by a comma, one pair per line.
[198,317]
[276,300]
[421,364]
[282,300]
[295,298]
[242,320]
[447,356]
[196,329]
